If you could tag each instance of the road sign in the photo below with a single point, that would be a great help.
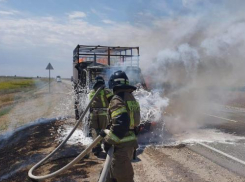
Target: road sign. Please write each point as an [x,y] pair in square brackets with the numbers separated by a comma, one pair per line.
[49,67]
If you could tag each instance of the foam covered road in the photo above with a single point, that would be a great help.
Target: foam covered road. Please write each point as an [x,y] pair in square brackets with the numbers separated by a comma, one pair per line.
[235,126]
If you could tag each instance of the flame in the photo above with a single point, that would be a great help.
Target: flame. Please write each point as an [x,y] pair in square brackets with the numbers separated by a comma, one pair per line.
[81,60]
[102,61]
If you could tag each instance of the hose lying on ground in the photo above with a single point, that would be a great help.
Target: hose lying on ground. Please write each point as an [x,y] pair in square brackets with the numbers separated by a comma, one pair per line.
[79,157]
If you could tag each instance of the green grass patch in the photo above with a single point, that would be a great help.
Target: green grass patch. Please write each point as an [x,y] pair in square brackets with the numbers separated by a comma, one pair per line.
[5,110]
[16,84]
[19,84]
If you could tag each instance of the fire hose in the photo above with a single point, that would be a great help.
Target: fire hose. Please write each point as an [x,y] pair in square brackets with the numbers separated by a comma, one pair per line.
[106,165]
[74,161]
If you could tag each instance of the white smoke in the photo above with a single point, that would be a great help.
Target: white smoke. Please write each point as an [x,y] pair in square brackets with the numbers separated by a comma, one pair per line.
[197,59]
[184,60]
[152,105]
[195,55]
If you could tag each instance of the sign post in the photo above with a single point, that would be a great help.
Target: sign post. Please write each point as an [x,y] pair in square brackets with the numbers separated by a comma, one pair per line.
[49,67]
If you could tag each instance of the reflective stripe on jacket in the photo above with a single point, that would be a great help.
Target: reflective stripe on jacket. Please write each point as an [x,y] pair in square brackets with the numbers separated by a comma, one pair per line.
[133,107]
[99,113]
[117,110]
[101,100]
[117,140]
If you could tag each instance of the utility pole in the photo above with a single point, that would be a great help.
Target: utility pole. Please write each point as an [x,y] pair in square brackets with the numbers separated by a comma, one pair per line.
[49,67]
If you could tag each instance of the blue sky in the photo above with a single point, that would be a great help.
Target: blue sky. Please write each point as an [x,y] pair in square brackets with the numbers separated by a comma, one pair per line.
[95,10]
[34,33]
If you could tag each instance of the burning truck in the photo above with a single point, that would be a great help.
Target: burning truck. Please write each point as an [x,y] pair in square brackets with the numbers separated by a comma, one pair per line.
[88,63]
[91,61]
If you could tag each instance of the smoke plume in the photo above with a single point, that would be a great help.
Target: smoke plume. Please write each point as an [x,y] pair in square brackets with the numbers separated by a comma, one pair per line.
[196,56]
[201,68]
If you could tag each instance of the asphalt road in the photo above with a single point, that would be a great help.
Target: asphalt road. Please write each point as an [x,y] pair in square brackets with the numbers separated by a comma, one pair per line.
[229,155]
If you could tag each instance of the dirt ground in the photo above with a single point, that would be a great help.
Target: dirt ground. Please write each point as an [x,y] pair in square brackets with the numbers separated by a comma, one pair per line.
[39,103]
[34,139]
[29,144]
[158,164]
[154,164]
[21,150]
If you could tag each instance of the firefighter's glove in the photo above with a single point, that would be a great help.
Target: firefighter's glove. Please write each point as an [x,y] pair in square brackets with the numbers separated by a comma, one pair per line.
[138,128]
[102,133]
[107,146]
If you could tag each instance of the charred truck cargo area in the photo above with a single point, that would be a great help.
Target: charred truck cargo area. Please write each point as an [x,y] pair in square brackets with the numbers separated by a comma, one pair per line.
[92,61]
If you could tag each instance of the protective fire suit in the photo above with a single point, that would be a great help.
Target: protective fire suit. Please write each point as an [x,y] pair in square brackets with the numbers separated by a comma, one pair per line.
[98,113]
[124,115]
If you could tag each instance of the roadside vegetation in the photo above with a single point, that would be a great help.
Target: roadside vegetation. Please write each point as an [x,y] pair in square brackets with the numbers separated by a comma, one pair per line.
[16,89]
[16,84]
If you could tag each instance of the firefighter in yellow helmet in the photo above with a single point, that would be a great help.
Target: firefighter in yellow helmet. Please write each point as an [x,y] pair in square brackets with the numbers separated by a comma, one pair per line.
[124,116]
[98,111]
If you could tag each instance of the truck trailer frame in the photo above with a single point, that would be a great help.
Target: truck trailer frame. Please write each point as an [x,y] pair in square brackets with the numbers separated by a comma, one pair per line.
[90,61]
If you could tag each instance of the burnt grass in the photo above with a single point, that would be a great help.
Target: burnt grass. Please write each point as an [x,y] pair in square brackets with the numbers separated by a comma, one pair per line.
[28,145]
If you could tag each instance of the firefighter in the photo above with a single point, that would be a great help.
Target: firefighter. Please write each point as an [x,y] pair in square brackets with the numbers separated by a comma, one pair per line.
[98,111]
[124,116]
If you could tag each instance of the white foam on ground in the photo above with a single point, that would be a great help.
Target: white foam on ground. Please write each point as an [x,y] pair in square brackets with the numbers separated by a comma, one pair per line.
[206,135]
[78,137]
[152,106]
